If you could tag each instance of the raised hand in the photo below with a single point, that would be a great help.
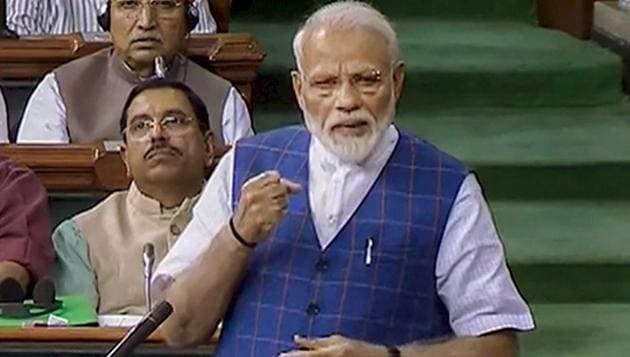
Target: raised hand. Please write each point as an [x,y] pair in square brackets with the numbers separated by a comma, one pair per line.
[264,201]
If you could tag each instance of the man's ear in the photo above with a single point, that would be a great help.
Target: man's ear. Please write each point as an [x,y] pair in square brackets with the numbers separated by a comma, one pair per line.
[210,148]
[122,149]
[296,79]
[399,78]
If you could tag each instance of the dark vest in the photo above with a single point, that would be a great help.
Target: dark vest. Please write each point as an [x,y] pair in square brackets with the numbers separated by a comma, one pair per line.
[94,89]
[293,287]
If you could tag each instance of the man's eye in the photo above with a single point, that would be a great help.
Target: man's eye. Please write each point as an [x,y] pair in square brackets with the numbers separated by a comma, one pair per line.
[128,4]
[165,4]
[325,83]
[370,80]
[174,121]
[167,122]
[137,126]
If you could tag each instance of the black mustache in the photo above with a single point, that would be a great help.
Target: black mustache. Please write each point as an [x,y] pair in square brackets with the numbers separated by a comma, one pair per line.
[152,149]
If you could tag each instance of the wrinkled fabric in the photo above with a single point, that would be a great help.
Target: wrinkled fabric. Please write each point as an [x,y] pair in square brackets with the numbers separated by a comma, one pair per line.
[24,220]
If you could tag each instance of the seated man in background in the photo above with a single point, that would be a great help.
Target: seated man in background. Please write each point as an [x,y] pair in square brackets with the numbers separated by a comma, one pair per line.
[347,237]
[57,17]
[79,101]
[167,149]
[4,121]
[26,251]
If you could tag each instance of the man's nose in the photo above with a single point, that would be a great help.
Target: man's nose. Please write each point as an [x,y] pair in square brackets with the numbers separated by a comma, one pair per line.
[158,133]
[146,17]
[348,98]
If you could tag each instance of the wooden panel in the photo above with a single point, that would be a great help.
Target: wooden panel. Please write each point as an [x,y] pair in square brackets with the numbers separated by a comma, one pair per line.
[71,168]
[234,56]
[574,17]
[77,168]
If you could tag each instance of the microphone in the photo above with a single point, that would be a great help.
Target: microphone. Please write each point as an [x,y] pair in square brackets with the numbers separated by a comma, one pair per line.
[44,293]
[11,291]
[4,30]
[159,67]
[142,330]
[148,258]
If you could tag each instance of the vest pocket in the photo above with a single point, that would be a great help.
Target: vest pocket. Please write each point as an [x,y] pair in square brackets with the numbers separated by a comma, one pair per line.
[401,275]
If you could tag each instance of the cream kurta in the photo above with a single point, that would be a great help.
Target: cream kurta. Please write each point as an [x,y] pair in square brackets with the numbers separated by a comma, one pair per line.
[99,252]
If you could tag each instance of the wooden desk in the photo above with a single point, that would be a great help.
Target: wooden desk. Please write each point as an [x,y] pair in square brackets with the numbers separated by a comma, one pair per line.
[234,56]
[71,168]
[84,341]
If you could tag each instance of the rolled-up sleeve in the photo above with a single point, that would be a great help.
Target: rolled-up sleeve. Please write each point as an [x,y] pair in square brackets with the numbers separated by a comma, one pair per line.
[210,214]
[473,279]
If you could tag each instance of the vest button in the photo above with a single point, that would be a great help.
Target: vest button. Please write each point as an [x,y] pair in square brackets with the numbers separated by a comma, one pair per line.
[322,265]
[312,309]
[175,230]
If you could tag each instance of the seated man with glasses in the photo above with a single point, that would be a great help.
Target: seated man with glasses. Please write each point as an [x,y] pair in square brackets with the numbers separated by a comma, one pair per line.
[79,101]
[167,150]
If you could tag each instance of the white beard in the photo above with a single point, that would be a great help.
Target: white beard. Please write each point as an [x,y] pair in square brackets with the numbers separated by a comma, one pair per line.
[352,149]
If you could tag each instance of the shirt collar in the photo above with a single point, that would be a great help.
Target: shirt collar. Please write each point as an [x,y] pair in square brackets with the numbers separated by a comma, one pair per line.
[151,206]
[330,162]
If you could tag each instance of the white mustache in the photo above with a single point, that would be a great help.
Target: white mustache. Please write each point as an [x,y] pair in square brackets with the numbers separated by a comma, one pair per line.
[353,118]
[350,148]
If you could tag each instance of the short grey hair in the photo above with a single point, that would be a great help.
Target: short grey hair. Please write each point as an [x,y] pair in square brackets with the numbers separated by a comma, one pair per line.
[347,14]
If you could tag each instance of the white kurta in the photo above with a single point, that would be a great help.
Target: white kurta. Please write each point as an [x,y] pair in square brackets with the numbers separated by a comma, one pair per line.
[44,119]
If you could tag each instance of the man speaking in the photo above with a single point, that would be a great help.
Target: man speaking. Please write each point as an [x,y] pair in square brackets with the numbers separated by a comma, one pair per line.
[347,237]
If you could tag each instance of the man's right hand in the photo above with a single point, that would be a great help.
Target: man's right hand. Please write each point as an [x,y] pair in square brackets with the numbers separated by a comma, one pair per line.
[264,201]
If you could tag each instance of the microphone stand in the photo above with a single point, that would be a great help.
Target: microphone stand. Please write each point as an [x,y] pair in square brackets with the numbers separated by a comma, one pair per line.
[4,30]
[159,67]
[149,323]
[148,259]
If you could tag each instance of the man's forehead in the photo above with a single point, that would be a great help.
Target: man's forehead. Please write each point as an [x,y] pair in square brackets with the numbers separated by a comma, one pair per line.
[159,100]
[334,46]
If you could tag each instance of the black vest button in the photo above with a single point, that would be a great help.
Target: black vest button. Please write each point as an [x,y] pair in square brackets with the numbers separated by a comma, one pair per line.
[312,309]
[322,265]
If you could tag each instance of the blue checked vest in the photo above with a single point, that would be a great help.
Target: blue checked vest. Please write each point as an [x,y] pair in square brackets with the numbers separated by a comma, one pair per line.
[293,287]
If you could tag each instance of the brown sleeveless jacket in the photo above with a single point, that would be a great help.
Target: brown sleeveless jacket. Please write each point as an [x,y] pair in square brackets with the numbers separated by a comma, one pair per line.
[94,89]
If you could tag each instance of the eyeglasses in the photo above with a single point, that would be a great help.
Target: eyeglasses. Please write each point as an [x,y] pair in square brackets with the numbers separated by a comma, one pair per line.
[173,124]
[163,8]
[367,83]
